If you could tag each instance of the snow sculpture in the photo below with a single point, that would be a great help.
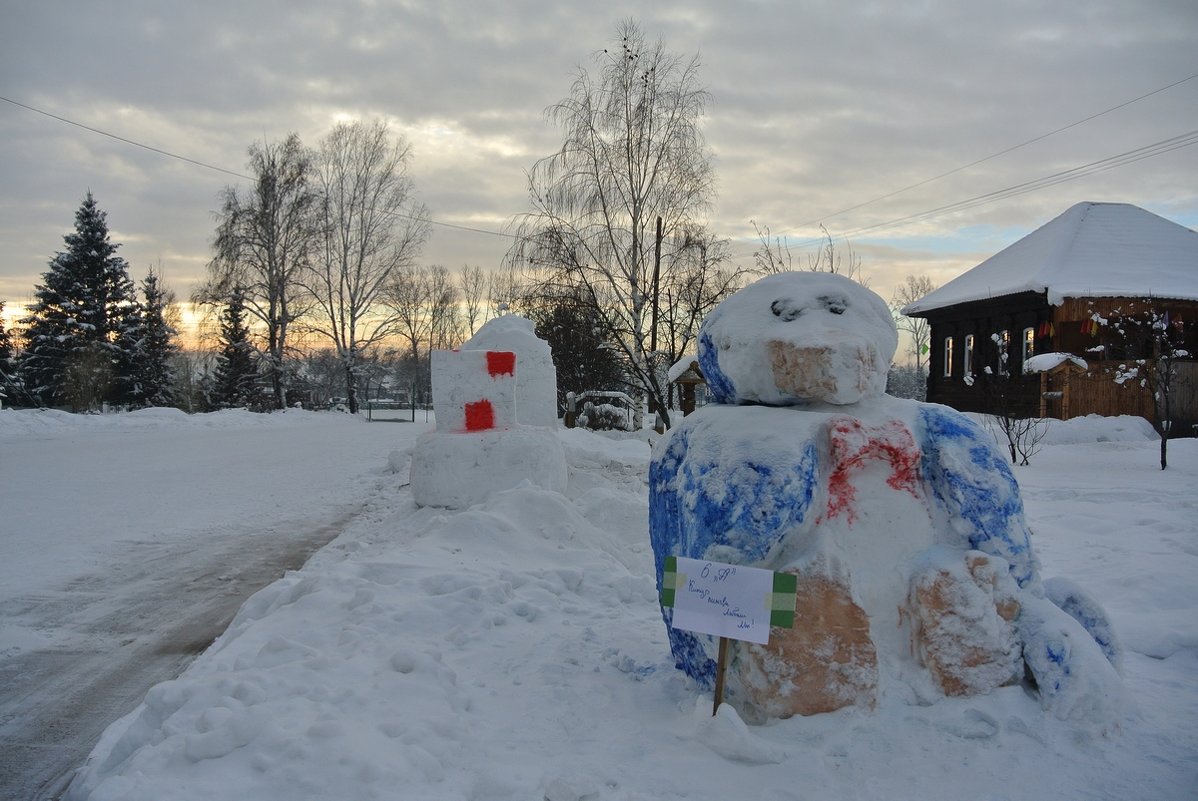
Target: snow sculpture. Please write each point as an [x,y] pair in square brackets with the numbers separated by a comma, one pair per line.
[478,446]
[536,390]
[902,521]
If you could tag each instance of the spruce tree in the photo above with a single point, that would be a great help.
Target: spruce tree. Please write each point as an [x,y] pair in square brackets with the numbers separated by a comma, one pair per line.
[8,378]
[78,332]
[153,376]
[236,372]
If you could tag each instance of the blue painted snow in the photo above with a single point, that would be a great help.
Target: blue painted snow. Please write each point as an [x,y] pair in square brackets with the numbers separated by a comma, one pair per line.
[718,383]
[1079,605]
[974,487]
[698,502]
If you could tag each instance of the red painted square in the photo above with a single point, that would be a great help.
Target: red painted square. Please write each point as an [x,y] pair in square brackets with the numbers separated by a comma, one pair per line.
[480,416]
[501,362]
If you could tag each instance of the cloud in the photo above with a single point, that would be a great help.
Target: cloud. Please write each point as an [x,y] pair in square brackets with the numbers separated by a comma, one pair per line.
[815,108]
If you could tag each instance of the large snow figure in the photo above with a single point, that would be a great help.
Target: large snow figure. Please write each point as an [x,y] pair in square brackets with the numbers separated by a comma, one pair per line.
[901,519]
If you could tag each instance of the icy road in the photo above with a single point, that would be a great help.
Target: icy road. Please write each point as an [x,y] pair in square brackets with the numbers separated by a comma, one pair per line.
[128,544]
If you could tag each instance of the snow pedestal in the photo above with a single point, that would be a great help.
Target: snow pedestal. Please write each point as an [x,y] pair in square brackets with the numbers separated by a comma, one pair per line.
[901,520]
[479,447]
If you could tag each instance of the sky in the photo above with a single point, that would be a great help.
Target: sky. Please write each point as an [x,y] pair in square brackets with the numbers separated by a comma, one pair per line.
[820,112]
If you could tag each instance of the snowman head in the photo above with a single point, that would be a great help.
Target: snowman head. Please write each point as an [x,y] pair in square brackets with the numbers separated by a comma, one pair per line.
[798,337]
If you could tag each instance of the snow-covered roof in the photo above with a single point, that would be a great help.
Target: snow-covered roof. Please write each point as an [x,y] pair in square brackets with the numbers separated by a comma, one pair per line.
[1043,362]
[1093,250]
[681,366]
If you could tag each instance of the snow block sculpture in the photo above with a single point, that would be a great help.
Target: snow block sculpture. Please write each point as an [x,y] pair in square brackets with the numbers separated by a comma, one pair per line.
[536,389]
[474,390]
[478,446]
[902,521]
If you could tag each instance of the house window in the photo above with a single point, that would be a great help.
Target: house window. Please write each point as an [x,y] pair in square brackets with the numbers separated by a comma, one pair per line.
[968,371]
[1002,344]
[1029,343]
[948,357]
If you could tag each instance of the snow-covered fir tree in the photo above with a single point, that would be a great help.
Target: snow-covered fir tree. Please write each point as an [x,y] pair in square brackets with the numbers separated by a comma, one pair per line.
[153,376]
[8,376]
[79,331]
[236,370]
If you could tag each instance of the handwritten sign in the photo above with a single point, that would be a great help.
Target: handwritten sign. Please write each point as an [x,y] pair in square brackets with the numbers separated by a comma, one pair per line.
[723,600]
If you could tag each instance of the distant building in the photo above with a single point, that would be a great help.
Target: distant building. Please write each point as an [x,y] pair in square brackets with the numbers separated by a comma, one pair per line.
[1055,291]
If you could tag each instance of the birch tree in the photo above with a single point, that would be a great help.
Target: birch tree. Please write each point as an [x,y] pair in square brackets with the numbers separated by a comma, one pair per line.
[633,152]
[919,331]
[264,244]
[371,227]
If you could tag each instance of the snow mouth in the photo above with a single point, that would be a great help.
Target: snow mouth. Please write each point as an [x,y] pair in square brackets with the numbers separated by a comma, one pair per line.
[840,373]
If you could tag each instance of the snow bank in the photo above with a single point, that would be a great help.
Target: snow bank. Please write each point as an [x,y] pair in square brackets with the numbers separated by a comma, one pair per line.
[515,651]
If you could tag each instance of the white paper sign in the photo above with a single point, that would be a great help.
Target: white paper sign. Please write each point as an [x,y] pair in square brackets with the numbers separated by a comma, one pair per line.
[723,600]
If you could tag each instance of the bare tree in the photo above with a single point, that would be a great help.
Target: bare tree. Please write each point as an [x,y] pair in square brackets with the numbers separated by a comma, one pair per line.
[701,275]
[773,255]
[264,243]
[473,285]
[371,227]
[830,259]
[1021,432]
[445,322]
[1152,345]
[424,302]
[633,153]
[913,288]
[505,288]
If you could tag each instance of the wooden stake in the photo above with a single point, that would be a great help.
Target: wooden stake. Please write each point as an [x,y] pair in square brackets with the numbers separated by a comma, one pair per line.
[721,663]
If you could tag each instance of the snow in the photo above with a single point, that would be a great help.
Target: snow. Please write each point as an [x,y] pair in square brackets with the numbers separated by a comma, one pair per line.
[1043,362]
[459,469]
[536,377]
[1084,253]
[796,337]
[515,649]
[678,368]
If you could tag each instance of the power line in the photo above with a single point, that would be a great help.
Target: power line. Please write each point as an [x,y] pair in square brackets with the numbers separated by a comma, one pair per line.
[207,166]
[1118,160]
[1094,167]
[126,141]
[1002,152]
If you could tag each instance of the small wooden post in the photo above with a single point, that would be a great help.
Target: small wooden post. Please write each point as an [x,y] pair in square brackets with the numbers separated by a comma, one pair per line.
[721,663]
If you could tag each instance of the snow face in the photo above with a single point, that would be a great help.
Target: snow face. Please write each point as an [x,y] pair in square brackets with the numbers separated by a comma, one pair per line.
[795,338]
[515,650]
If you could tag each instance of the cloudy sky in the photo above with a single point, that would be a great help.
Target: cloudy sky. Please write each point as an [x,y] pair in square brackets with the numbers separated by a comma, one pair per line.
[821,112]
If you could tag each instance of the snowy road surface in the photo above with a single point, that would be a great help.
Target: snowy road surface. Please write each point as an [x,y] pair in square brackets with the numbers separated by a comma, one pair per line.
[118,570]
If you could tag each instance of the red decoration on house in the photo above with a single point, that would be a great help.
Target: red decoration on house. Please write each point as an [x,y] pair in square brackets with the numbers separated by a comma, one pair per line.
[852,444]
[480,416]
[501,362]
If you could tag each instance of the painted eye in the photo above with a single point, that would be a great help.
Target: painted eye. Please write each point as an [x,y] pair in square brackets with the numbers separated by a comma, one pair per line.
[836,304]
[785,309]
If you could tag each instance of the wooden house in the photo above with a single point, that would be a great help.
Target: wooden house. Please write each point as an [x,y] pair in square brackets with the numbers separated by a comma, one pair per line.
[1064,288]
